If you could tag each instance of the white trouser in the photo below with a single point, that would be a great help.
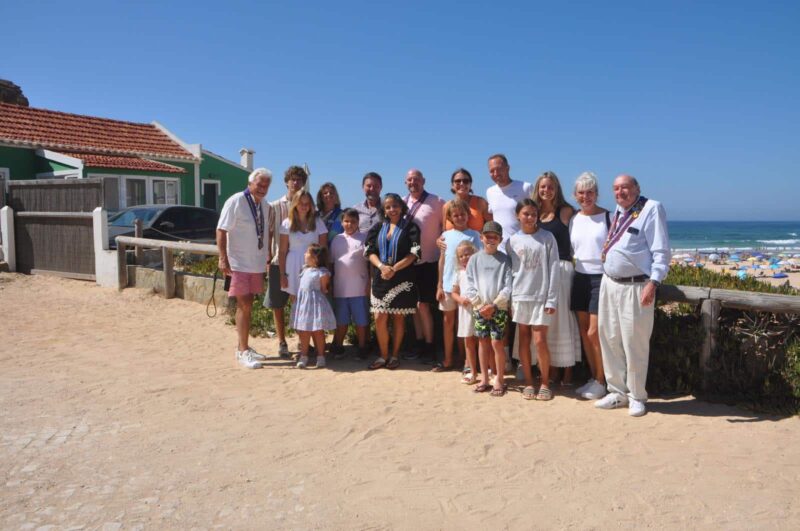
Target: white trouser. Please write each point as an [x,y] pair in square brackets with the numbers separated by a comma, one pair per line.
[625,327]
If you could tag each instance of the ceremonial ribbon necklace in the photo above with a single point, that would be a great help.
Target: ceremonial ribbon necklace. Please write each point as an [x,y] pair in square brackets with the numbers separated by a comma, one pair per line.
[619,226]
[258,217]
[413,211]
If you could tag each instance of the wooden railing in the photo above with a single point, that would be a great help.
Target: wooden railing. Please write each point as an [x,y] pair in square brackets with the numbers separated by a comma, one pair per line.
[167,250]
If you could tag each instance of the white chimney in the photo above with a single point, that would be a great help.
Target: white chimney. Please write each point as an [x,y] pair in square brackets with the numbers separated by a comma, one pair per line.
[247,158]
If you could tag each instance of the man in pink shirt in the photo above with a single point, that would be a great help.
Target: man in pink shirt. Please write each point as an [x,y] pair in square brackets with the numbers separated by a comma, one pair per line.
[424,209]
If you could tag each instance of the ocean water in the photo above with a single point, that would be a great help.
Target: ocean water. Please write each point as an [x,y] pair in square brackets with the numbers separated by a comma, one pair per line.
[735,235]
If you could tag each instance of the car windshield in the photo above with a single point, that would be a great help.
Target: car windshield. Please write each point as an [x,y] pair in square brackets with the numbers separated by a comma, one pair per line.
[126,217]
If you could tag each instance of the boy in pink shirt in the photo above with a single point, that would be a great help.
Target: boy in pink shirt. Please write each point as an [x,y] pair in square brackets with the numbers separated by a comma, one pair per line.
[350,284]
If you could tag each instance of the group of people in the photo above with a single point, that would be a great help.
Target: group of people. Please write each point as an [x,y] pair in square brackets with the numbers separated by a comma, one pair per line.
[518,274]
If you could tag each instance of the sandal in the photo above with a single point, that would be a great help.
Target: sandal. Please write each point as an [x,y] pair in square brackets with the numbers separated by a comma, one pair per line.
[468,379]
[440,367]
[545,394]
[393,364]
[529,393]
[377,364]
[499,391]
[482,388]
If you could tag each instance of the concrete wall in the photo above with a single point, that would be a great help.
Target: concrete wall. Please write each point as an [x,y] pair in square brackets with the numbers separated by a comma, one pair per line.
[188,287]
[106,272]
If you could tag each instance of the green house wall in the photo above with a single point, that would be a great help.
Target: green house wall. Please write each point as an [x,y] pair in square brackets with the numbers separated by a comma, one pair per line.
[21,162]
[232,178]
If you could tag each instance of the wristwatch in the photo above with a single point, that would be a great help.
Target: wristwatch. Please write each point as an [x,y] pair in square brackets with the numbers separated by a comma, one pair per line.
[656,282]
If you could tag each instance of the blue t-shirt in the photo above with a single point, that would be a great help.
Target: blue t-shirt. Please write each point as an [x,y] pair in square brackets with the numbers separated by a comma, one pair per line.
[452,238]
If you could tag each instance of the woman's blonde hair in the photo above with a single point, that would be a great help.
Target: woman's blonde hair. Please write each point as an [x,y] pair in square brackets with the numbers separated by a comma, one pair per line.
[558,200]
[295,223]
[466,244]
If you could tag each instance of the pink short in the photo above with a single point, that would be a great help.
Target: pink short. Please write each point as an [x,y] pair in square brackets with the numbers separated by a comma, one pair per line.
[246,283]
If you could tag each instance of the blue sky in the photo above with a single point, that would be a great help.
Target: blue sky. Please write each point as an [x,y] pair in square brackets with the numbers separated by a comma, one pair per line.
[698,100]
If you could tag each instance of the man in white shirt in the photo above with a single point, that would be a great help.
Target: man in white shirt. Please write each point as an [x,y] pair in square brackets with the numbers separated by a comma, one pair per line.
[244,251]
[504,195]
[295,178]
[424,209]
[635,258]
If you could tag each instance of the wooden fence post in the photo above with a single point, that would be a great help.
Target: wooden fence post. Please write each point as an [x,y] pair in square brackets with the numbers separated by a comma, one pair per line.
[138,250]
[122,266]
[709,316]
[169,273]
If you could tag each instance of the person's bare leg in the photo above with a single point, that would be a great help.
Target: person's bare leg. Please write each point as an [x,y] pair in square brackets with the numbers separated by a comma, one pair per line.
[448,321]
[470,345]
[305,340]
[418,333]
[280,324]
[524,332]
[361,334]
[500,361]
[594,341]
[583,328]
[319,342]
[484,354]
[382,331]
[426,317]
[543,353]
[244,309]
[398,328]
[339,335]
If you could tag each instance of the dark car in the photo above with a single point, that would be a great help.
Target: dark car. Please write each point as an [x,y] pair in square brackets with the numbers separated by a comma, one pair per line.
[165,222]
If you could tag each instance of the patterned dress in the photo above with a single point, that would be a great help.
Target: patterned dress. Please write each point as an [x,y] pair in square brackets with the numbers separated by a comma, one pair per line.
[311,310]
[399,293]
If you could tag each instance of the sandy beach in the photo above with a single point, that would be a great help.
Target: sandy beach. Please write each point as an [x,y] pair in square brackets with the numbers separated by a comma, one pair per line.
[122,410]
[793,278]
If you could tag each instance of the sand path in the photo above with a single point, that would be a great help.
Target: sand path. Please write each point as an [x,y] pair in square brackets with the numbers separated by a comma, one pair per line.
[124,410]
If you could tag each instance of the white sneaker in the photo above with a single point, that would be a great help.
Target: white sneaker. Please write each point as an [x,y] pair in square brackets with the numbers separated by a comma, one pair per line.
[611,401]
[636,408]
[246,360]
[256,356]
[594,391]
[303,363]
[320,362]
[585,387]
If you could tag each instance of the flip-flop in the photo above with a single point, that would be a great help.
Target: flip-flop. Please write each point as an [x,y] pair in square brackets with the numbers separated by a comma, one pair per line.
[440,367]
[544,394]
[499,391]
[529,393]
[379,363]
[482,388]
[393,364]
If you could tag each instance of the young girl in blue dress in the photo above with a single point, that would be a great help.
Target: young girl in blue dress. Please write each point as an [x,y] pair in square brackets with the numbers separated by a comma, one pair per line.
[312,314]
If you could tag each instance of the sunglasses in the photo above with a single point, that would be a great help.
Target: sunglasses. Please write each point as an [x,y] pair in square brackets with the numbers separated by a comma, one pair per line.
[462,181]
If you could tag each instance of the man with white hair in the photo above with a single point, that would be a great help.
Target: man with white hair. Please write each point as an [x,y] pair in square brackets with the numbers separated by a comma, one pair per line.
[635,260]
[244,252]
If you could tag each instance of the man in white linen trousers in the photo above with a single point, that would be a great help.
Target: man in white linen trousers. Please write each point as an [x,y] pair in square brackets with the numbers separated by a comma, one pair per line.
[635,261]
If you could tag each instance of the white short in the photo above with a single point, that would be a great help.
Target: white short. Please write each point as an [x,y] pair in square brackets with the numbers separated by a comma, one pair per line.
[530,313]
[448,304]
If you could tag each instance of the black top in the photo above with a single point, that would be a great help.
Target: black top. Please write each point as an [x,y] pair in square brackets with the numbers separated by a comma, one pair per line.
[561,233]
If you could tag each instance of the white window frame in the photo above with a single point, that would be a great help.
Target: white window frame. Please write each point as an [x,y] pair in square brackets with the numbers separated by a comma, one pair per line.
[219,189]
[123,196]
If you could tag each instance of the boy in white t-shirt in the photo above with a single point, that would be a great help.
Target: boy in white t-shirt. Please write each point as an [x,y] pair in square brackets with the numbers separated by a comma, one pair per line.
[350,284]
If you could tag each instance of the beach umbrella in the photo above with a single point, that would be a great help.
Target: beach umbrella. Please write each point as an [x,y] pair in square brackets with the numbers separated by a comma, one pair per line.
[780,275]
[700,264]
[752,259]
[793,261]
[688,259]
[796,256]
[742,275]
[783,262]
[713,256]
[734,258]
[743,268]
[774,266]
[759,256]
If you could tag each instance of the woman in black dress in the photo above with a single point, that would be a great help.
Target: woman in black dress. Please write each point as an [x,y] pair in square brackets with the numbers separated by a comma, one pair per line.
[392,246]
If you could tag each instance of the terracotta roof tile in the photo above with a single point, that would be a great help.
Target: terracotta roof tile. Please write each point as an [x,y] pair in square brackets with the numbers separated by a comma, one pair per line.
[128,163]
[33,127]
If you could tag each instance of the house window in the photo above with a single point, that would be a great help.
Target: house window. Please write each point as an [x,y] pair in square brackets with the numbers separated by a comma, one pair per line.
[165,191]
[135,191]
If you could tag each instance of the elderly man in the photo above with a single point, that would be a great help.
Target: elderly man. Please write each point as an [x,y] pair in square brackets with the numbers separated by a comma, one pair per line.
[369,209]
[505,194]
[635,261]
[424,209]
[295,178]
[244,251]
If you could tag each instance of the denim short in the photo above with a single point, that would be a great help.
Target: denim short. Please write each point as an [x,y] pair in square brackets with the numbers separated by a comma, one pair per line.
[355,308]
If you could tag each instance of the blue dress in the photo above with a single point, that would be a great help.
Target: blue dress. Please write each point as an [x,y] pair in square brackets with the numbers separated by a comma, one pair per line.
[311,310]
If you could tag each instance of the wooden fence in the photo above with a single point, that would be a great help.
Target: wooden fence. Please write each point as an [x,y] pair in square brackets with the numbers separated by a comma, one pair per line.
[53,227]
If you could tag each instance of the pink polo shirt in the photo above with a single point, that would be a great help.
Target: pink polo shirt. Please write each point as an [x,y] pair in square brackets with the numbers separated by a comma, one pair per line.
[428,218]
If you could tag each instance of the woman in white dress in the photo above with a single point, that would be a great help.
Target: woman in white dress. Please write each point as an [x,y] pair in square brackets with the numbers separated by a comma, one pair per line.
[300,229]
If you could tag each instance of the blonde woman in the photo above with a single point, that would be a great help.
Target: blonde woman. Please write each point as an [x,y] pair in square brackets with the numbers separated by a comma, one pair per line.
[298,231]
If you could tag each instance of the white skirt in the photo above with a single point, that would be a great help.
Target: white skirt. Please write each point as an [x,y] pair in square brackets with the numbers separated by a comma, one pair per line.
[530,313]
[466,323]
[563,337]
